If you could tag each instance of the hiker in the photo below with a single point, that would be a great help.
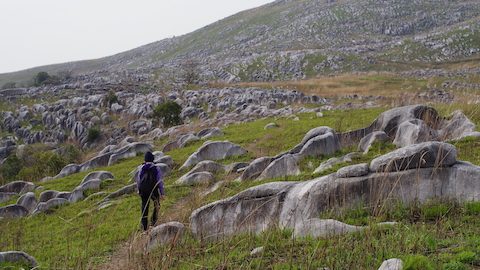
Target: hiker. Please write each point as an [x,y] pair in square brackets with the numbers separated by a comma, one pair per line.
[150,187]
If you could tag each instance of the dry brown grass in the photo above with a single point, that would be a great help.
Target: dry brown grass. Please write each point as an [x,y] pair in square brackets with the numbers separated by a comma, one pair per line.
[378,84]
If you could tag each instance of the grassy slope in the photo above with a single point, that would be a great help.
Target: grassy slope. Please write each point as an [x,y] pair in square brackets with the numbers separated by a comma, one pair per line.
[77,235]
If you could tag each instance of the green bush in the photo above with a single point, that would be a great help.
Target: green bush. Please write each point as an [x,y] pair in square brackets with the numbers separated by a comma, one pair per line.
[41,78]
[10,168]
[72,154]
[454,265]
[168,114]
[93,134]
[466,256]
[110,98]
[42,164]
[418,262]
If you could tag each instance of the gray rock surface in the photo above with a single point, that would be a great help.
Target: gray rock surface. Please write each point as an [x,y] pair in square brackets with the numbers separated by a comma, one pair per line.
[47,195]
[321,145]
[287,165]
[196,178]
[367,141]
[46,206]
[165,234]
[256,168]
[6,196]
[13,211]
[100,175]
[214,151]
[413,132]
[423,155]
[28,200]
[17,257]
[392,264]
[353,171]
[129,151]
[18,187]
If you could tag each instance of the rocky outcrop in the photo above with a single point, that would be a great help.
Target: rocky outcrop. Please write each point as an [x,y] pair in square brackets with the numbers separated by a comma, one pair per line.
[100,175]
[46,206]
[316,227]
[214,151]
[288,204]
[129,151]
[13,211]
[28,201]
[367,141]
[18,187]
[255,168]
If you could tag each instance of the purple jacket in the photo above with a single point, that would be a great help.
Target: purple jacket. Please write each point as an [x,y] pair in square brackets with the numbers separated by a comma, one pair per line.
[144,168]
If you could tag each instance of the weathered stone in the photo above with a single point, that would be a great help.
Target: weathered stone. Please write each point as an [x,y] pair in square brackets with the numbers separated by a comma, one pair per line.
[316,132]
[129,151]
[46,206]
[367,141]
[196,178]
[270,126]
[413,132]
[255,168]
[326,144]
[165,234]
[100,175]
[6,196]
[423,155]
[13,211]
[392,264]
[214,151]
[47,195]
[353,171]
[17,257]
[28,201]
[287,165]
[18,187]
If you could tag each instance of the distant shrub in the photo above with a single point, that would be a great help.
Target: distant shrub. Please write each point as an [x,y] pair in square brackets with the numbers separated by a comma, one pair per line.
[93,134]
[10,168]
[72,154]
[41,78]
[168,114]
[42,164]
[110,98]
[418,262]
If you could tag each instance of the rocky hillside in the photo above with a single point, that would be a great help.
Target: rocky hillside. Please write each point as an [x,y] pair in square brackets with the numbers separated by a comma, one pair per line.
[302,38]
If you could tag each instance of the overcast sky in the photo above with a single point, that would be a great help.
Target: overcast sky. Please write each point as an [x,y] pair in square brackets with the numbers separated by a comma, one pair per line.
[40,32]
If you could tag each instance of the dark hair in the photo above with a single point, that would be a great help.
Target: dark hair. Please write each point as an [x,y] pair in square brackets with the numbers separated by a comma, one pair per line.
[149,157]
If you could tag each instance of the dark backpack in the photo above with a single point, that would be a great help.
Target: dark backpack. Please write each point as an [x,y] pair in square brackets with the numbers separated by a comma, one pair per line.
[148,182]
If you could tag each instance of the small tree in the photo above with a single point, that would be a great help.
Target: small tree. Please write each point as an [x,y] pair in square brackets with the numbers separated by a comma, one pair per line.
[168,114]
[41,78]
[93,134]
[110,98]
[190,72]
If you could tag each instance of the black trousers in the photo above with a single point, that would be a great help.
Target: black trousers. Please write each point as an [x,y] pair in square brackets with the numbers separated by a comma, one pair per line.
[155,198]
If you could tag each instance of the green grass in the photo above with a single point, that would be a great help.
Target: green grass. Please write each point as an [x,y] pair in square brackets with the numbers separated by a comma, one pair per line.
[78,235]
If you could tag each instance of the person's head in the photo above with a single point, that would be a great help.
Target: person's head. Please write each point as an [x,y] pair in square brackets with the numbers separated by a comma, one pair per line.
[149,157]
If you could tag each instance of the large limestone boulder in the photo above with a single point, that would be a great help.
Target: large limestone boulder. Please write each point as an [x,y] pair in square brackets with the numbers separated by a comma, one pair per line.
[196,178]
[254,209]
[457,127]
[68,170]
[100,175]
[18,187]
[316,227]
[129,151]
[353,171]
[289,204]
[17,257]
[98,161]
[423,155]
[13,211]
[256,168]
[214,151]
[165,234]
[93,184]
[413,132]
[210,133]
[287,165]
[28,201]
